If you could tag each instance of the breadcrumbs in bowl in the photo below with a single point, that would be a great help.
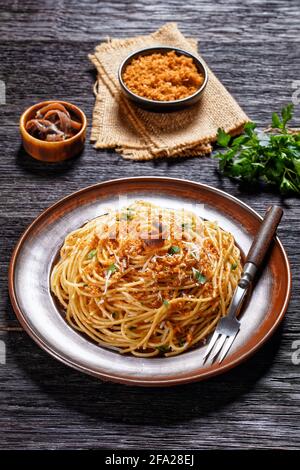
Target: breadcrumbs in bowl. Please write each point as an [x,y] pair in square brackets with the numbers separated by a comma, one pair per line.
[163,76]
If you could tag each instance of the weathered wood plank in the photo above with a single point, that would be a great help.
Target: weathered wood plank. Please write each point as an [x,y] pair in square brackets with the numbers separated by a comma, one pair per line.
[239,20]
[252,406]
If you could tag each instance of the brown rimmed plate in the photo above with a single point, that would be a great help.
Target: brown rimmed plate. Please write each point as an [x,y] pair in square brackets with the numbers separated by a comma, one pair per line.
[37,312]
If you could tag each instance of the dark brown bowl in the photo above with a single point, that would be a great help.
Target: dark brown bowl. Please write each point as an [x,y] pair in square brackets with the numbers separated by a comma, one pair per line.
[162,106]
[53,151]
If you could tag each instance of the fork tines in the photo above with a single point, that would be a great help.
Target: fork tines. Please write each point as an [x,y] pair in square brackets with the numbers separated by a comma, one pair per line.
[220,343]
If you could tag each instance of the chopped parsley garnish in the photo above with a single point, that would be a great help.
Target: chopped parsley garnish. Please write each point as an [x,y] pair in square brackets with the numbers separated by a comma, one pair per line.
[163,349]
[112,268]
[174,249]
[165,302]
[186,225]
[92,254]
[181,342]
[198,276]
[233,266]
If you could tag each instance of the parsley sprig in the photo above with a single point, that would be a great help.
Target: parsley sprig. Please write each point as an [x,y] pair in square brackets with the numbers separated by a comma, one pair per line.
[258,156]
[174,250]
[112,268]
[200,278]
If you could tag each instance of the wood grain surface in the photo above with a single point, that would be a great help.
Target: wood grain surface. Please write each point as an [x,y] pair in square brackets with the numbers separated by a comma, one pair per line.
[253,47]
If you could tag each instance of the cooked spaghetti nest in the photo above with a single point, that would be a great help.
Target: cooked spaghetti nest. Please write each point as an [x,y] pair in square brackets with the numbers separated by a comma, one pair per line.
[147,280]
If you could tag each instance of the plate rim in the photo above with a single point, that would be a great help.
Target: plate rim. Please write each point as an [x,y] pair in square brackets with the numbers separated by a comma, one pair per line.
[135,381]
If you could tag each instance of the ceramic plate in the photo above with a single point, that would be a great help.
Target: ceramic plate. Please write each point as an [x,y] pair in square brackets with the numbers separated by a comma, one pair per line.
[38,313]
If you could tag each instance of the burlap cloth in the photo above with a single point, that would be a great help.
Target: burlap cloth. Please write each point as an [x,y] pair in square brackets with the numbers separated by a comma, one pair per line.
[142,135]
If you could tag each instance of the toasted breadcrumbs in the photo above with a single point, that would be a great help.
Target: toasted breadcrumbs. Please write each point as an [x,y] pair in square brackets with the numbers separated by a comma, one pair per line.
[163,77]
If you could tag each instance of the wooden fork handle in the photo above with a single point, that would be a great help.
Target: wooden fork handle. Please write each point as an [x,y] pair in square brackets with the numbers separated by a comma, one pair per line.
[264,235]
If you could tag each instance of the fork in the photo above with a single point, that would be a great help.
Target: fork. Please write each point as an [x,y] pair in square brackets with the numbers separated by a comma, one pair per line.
[229,326]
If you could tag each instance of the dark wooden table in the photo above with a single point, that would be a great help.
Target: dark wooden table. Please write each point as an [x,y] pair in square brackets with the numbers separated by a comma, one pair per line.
[254,49]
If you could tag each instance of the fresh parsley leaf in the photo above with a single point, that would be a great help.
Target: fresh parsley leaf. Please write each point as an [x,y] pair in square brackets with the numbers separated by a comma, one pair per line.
[223,138]
[234,266]
[276,121]
[198,276]
[112,268]
[287,114]
[287,186]
[297,165]
[241,140]
[174,250]
[92,253]
[249,128]
[166,303]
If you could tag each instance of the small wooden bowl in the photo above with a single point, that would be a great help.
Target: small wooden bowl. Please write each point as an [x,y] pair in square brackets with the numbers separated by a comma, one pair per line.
[53,151]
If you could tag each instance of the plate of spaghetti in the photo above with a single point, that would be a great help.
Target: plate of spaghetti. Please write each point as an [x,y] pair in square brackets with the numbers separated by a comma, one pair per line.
[127,279]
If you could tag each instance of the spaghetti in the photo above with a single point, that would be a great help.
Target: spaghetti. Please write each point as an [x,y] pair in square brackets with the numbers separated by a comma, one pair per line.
[146,280]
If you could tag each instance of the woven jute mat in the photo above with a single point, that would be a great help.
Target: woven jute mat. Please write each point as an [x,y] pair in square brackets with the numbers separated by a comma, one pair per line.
[142,135]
